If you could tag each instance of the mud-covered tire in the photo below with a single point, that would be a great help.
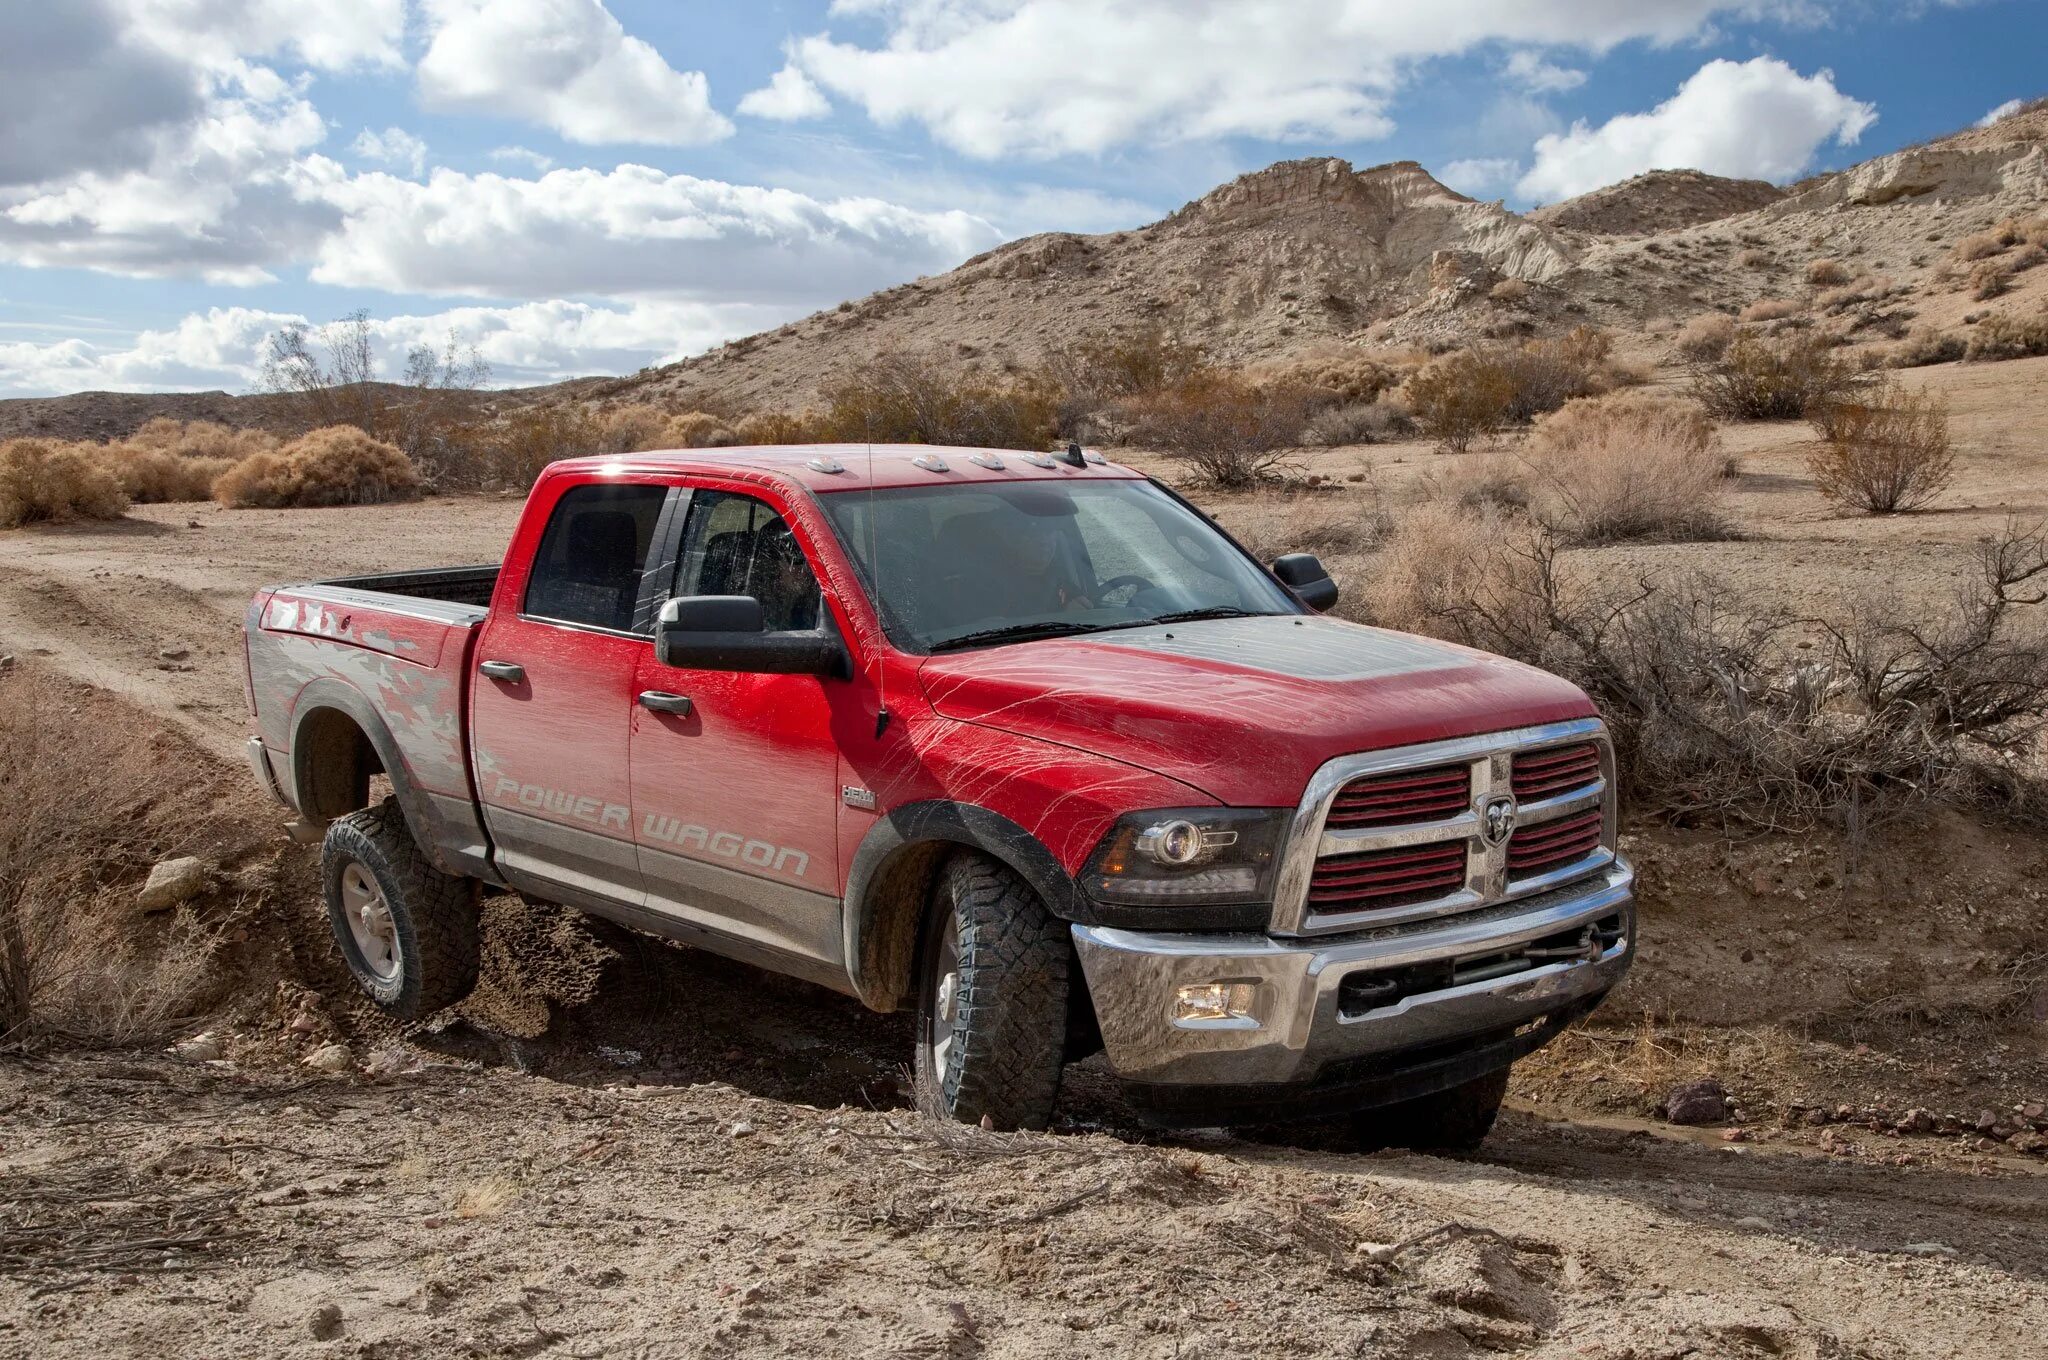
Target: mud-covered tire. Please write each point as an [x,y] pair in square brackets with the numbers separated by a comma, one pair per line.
[432,936]
[1456,1120]
[1006,1017]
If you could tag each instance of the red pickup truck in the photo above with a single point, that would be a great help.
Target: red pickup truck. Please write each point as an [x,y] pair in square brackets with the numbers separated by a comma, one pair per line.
[1023,741]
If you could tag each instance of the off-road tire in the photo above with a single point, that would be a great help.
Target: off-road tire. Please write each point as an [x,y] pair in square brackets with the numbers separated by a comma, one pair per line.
[434,914]
[1456,1120]
[1009,1032]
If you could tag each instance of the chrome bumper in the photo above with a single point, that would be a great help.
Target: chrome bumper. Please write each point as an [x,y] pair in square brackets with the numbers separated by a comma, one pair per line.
[1301,1020]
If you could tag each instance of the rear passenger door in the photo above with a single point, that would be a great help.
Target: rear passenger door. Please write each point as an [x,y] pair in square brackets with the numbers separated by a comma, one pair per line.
[553,697]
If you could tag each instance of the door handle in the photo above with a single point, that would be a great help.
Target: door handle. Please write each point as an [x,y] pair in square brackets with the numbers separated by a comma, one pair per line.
[511,672]
[660,702]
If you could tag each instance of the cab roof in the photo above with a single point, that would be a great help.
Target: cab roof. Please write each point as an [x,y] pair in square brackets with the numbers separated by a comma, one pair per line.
[826,468]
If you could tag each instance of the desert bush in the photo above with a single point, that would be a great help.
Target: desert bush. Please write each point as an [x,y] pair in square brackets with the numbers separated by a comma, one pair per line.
[154,475]
[1765,379]
[1826,273]
[1510,292]
[1632,465]
[1356,422]
[1927,346]
[775,427]
[43,480]
[1885,450]
[1752,259]
[1094,373]
[2030,256]
[2003,335]
[1459,397]
[93,797]
[1235,434]
[630,429]
[1705,337]
[1437,555]
[1980,247]
[1346,373]
[200,439]
[1547,373]
[907,398]
[335,465]
[697,430]
[1770,309]
[1992,278]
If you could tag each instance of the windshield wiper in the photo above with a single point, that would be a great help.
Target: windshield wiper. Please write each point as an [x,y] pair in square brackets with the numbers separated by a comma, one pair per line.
[1021,632]
[1214,611]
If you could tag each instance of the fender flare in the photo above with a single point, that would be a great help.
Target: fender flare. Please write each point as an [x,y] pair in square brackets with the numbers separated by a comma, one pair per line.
[876,961]
[420,818]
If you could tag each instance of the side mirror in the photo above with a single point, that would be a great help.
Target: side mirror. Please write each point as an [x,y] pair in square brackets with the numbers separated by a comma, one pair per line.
[1303,574]
[727,633]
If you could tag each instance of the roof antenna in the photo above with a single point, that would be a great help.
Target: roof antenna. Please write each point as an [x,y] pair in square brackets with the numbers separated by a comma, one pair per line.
[1075,456]
[875,585]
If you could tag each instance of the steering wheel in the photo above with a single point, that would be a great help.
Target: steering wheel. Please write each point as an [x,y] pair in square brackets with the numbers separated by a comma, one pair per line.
[1134,582]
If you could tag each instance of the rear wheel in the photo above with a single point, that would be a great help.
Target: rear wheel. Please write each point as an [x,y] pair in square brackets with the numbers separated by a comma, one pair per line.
[1456,1120]
[407,931]
[992,1010]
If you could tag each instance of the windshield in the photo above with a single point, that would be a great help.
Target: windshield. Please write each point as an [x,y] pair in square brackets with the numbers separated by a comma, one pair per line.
[992,562]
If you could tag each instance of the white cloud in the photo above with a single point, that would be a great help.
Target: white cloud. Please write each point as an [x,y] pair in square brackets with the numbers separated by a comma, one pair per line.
[393,146]
[567,65]
[628,232]
[1481,177]
[1053,77]
[788,96]
[529,343]
[2002,112]
[329,36]
[521,155]
[1529,70]
[1755,119]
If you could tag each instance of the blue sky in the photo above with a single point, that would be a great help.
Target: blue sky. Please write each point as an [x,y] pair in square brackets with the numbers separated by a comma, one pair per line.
[581,186]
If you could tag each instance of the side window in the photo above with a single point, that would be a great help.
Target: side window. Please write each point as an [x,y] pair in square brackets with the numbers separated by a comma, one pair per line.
[591,557]
[735,545]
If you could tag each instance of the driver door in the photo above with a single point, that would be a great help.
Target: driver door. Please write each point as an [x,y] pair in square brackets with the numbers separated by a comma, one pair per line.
[736,799]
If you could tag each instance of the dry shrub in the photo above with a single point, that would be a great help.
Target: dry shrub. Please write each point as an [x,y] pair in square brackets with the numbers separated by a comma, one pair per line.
[1770,309]
[1764,379]
[630,429]
[150,476]
[906,398]
[1927,346]
[1825,273]
[1633,465]
[1705,337]
[93,796]
[1510,292]
[697,430]
[1459,397]
[1980,247]
[1887,450]
[1752,259]
[201,439]
[1344,372]
[1357,422]
[774,427]
[2002,335]
[1992,278]
[337,465]
[1436,556]
[1236,435]
[42,480]
[2030,256]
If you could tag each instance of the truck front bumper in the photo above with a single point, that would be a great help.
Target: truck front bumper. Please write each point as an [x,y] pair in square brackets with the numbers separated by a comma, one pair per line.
[1323,1024]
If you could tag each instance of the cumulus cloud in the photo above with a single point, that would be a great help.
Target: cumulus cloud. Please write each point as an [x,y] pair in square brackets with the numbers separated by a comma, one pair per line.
[1052,77]
[1530,71]
[331,37]
[2001,113]
[788,96]
[567,65]
[528,343]
[1756,119]
[627,232]
[522,155]
[1480,177]
[393,146]
[79,92]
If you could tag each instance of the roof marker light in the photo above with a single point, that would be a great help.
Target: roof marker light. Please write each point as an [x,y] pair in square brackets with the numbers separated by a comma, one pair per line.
[930,462]
[826,464]
[1040,460]
[987,460]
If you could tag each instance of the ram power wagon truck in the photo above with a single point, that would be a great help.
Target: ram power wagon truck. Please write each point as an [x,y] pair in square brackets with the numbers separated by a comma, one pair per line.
[1023,741]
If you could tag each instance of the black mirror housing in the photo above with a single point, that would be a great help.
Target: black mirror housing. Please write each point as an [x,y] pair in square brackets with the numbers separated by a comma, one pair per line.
[1303,574]
[727,633]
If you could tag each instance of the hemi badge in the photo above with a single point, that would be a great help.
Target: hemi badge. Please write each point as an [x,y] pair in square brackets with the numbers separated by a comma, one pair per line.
[857,798]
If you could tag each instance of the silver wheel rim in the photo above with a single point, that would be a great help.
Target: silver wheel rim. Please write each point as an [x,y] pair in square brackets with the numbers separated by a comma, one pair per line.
[369,921]
[946,998]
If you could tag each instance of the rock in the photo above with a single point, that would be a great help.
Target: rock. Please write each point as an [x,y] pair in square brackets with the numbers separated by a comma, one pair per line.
[2028,1141]
[205,1047]
[174,653]
[6,663]
[331,1058]
[742,1129]
[1987,1120]
[1916,1120]
[324,1322]
[172,881]
[1928,1249]
[1697,1102]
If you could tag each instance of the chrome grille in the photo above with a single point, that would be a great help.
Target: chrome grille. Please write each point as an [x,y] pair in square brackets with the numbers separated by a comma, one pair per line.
[1391,836]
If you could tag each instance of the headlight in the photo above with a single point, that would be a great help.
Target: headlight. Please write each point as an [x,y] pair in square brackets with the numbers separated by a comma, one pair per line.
[1187,855]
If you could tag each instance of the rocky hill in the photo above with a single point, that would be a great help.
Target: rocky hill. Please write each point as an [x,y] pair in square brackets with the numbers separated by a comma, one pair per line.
[1660,200]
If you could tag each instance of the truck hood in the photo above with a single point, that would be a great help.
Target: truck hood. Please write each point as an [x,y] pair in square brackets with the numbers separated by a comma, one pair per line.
[1244,709]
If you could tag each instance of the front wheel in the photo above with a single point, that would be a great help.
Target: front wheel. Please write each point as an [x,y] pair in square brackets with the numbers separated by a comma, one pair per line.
[408,932]
[1456,1120]
[992,1010]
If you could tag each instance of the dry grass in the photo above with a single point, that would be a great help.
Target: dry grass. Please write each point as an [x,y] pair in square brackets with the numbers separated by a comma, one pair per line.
[1752,259]
[151,476]
[42,481]
[93,797]
[338,465]
[1925,346]
[486,1198]
[200,439]
[1704,338]
[1990,279]
[696,430]
[1886,451]
[1358,422]
[1770,309]
[1825,273]
[2004,335]
[1979,247]
[1510,292]
[1631,466]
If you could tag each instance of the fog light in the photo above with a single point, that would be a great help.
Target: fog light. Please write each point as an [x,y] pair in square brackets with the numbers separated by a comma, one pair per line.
[1214,1002]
